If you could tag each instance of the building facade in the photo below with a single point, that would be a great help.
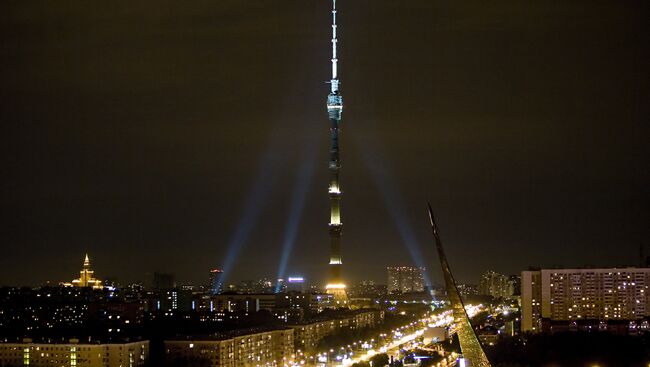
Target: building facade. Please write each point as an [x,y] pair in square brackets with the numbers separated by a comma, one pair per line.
[496,285]
[367,289]
[308,335]
[467,290]
[74,354]
[215,280]
[405,279]
[576,295]
[250,303]
[264,348]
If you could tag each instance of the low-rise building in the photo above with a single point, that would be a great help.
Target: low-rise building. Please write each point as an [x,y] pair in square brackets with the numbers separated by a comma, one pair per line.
[307,335]
[249,302]
[234,349]
[27,353]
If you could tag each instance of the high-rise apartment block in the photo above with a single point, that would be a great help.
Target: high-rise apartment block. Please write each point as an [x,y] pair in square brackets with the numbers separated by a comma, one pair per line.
[237,348]
[309,334]
[495,285]
[214,281]
[575,295]
[405,279]
[467,290]
[162,281]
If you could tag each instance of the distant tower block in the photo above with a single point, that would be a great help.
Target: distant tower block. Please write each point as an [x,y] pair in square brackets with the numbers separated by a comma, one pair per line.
[215,280]
[336,285]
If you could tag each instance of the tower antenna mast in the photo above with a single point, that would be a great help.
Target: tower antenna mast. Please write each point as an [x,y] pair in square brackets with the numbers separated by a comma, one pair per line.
[335,285]
[335,81]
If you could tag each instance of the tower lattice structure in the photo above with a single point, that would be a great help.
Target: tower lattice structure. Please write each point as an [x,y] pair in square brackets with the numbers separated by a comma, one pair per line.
[336,285]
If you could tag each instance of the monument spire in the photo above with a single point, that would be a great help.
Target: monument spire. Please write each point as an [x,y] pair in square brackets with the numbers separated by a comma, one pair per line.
[472,351]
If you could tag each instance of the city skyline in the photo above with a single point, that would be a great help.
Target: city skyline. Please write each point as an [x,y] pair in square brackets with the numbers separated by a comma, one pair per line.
[145,156]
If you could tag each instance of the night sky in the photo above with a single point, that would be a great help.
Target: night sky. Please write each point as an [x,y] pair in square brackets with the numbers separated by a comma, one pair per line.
[155,134]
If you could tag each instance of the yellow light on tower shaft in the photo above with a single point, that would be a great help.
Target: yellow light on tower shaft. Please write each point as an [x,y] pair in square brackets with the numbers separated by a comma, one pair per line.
[335,218]
[335,286]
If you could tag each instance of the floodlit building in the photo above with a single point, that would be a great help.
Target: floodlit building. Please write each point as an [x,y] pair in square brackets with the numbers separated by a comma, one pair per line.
[74,354]
[238,348]
[405,279]
[214,281]
[86,277]
[575,295]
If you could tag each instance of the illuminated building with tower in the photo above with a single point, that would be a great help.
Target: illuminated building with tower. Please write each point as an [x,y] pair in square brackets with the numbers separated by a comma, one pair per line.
[86,277]
[335,285]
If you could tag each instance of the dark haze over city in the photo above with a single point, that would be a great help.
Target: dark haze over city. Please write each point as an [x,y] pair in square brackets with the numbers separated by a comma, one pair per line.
[137,132]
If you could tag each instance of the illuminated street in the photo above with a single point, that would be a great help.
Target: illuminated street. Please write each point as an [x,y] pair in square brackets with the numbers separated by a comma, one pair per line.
[403,338]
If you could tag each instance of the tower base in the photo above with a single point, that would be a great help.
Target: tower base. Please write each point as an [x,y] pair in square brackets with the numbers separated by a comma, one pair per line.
[339,295]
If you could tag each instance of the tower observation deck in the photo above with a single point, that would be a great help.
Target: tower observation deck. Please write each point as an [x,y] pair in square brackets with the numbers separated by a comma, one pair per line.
[335,285]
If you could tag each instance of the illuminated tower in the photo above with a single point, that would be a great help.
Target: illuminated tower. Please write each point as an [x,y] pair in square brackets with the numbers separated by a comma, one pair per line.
[335,286]
[86,278]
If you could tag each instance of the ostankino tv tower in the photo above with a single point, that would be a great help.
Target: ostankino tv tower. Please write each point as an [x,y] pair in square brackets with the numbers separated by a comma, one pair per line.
[336,285]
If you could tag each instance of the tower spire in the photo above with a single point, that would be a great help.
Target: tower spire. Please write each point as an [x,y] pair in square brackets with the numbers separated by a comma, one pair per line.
[336,285]
[335,81]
